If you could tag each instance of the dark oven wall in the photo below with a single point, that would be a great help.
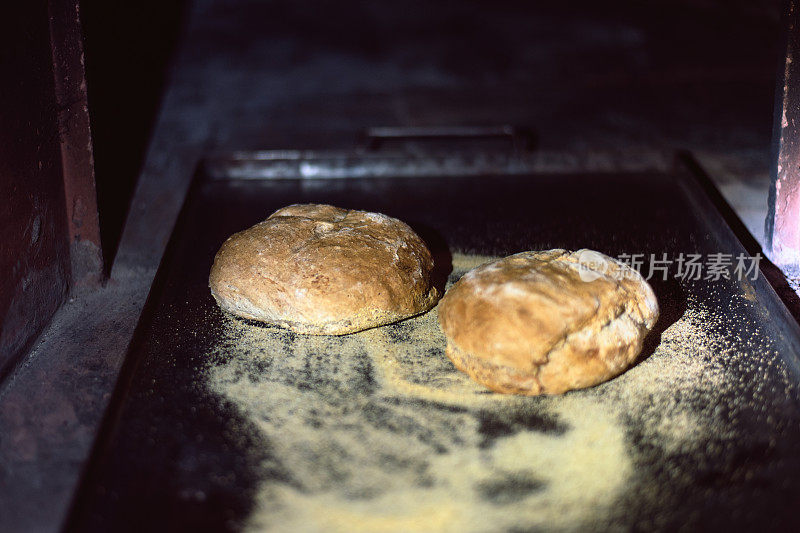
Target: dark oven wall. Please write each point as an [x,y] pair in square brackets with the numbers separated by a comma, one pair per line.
[34,253]
[128,46]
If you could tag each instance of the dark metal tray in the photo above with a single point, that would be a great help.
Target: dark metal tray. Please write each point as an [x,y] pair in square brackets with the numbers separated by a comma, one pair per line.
[707,425]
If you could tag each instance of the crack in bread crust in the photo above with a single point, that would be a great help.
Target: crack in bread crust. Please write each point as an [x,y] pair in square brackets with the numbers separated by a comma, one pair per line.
[499,378]
[364,321]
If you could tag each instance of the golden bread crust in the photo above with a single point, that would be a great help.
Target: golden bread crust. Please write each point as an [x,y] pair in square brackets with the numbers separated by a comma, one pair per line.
[547,322]
[318,269]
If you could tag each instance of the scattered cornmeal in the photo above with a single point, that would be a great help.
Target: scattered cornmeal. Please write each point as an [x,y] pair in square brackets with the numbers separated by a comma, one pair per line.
[378,432]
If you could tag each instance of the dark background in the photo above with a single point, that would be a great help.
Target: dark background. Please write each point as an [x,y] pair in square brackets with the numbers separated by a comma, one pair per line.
[697,74]
[128,46]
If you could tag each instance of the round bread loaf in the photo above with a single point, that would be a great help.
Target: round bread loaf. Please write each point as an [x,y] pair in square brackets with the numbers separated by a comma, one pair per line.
[322,270]
[547,322]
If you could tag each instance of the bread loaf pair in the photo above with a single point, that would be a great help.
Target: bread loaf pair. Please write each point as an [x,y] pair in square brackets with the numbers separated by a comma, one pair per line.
[531,323]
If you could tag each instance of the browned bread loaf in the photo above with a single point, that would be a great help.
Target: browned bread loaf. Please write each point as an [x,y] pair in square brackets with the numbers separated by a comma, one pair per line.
[322,270]
[547,322]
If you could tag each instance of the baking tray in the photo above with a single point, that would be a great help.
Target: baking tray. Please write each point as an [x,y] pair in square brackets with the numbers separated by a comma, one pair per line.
[702,432]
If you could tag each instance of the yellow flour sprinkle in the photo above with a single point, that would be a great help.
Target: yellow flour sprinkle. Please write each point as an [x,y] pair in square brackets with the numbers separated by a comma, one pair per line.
[378,432]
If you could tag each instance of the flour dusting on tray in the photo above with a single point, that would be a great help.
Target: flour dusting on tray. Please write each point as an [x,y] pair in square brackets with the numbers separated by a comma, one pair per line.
[377,431]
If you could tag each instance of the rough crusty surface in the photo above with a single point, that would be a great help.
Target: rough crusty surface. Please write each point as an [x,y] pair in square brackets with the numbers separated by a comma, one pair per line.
[547,322]
[322,270]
